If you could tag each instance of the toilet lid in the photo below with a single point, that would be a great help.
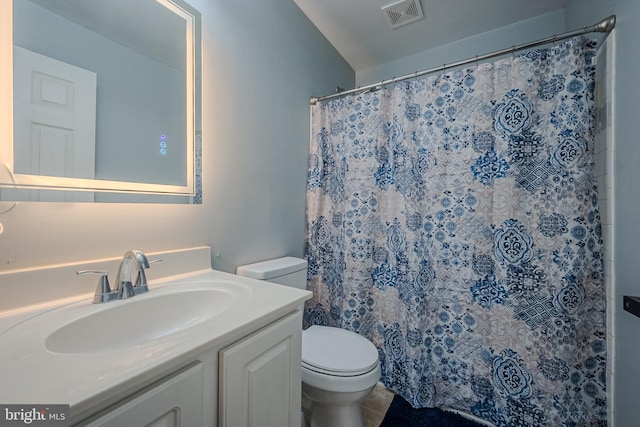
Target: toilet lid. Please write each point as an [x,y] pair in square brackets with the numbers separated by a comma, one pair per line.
[337,351]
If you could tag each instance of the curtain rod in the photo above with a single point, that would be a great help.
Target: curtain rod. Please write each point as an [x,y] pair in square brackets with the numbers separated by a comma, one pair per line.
[604,26]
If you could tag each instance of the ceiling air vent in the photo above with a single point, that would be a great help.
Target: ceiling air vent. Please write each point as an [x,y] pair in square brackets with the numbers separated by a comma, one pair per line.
[403,12]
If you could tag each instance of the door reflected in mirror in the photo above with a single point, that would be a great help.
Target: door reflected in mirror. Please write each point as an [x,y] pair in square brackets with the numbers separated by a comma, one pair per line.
[106,100]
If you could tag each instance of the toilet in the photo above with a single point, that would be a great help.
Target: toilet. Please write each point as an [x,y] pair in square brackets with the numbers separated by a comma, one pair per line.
[339,367]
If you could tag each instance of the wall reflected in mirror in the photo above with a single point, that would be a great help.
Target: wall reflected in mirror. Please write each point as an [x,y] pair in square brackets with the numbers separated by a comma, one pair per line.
[106,91]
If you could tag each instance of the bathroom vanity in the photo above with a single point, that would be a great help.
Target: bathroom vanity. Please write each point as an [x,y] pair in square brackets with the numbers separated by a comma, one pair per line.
[240,377]
[201,348]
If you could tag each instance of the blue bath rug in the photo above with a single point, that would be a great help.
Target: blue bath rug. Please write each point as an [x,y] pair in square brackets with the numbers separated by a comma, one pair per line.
[401,414]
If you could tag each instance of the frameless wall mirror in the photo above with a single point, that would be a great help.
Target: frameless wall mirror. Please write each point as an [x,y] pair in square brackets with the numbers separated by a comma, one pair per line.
[104,101]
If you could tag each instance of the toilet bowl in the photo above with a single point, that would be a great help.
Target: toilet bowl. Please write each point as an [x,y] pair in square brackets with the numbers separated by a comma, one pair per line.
[339,367]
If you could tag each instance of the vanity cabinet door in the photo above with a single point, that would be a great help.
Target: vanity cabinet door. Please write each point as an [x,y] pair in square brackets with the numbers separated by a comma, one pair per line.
[176,401]
[260,383]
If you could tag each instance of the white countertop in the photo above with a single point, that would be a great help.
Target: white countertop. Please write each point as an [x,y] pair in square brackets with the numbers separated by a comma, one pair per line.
[30,373]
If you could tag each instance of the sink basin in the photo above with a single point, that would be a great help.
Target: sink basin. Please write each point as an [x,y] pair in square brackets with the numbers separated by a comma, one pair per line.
[142,319]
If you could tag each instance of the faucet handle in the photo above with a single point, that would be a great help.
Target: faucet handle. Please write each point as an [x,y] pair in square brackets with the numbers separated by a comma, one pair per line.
[103,290]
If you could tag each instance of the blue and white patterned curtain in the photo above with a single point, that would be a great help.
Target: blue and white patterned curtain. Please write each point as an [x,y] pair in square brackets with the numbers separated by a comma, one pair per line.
[453,221]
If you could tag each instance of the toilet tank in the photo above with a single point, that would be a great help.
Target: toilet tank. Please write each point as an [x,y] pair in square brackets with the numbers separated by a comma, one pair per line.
[288,271]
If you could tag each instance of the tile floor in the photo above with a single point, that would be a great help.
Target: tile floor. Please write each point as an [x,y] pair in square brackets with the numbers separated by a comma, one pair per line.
[375,406]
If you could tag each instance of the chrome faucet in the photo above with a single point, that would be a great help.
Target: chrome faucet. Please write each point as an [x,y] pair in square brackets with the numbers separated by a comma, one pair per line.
[127,285]
[131,279]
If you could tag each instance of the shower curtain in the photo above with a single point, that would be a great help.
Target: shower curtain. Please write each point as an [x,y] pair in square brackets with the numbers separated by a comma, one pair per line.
[453,221]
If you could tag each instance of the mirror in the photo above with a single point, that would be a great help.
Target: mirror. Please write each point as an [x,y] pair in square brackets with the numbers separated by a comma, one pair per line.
[105,101]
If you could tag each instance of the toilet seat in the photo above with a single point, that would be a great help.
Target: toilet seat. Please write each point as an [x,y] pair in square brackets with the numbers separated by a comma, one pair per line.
[337,352]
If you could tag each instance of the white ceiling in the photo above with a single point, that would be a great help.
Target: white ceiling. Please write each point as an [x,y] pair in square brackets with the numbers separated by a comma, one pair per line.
[358,29]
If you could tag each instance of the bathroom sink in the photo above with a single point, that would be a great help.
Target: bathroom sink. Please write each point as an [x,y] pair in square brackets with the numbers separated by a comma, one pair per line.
[91,356]
[142,319]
